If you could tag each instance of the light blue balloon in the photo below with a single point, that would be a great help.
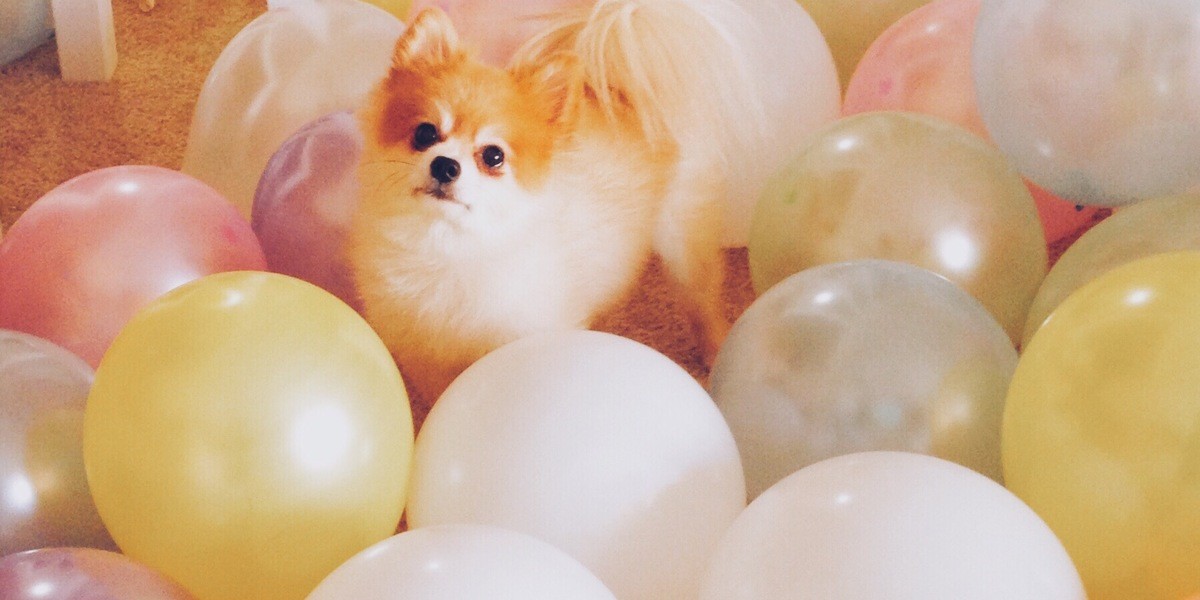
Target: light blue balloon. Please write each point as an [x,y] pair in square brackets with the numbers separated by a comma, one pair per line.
[24,25]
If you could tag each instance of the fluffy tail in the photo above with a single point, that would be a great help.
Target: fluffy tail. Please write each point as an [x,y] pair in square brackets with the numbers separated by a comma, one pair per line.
[675,68]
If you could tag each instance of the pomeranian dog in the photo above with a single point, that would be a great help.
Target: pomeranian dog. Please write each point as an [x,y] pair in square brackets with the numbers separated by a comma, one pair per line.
[498,203]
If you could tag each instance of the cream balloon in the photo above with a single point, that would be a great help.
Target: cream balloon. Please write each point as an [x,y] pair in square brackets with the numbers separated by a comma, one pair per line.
[591,442]
[292,64]
[1098,101]
[890,525]
[863,355]
[451,562]
[1149,227]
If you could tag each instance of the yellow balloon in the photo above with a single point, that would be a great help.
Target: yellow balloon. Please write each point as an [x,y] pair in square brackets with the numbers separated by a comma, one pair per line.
[399,8]
[909,188]
[1149,227]
[245,435]
[1101,432]
[850,26]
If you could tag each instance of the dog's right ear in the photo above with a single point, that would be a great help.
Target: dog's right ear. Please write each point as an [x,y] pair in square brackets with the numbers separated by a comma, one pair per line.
[429,40]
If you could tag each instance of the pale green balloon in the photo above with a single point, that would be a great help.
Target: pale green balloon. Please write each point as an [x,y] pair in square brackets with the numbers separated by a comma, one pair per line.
[1137,231]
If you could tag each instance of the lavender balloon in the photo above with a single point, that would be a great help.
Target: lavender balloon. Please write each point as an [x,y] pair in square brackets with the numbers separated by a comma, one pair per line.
[305,201]
[44,497]
[82,574]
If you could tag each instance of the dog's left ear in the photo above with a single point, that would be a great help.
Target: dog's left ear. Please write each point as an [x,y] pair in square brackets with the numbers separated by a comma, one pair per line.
[558,81]
[430,39]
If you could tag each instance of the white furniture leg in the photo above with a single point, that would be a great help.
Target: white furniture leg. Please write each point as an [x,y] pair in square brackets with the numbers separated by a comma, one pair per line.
[87,44]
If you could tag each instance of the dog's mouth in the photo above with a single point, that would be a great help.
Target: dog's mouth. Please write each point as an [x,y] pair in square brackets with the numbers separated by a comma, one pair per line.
[443,193]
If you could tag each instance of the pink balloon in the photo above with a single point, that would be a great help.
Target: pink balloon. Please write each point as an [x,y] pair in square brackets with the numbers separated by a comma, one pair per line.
[922,63]
[82,574]
[496,29]
[87,255]
[304,203]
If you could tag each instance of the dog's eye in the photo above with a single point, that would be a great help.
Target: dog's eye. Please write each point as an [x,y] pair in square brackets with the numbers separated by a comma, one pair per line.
[424,136]
[492,156]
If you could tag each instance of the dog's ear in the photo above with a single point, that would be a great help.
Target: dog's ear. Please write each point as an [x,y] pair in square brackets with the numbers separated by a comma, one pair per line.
[558,81]
[429,40]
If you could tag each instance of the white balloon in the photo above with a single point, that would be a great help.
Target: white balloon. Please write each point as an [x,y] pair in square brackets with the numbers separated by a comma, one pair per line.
[1097,101]
[454,562]
[890,525]
[863,355]
[794,76]
[289,66]
[593,443]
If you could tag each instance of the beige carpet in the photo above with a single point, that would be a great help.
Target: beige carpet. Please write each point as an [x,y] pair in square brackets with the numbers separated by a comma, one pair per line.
[51,131]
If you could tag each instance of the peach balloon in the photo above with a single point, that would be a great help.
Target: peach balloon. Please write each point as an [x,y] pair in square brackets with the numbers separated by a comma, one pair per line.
[83,258]
[922,63]
[910,188]
[850,26]
[82,574]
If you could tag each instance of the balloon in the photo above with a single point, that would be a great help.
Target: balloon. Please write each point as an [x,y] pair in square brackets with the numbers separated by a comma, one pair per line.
[245,435]
[787,59]
[286,68]
[497,29]
[24,25]
[593,443]
[87,255]
[44,497]
[81,574]
[911,188]
[305,200]
[863,355]
[889,525]
[849,26]
[1097,101]
[922,63]
[1100,430]
[1149,227]
[451,562]
[398,8]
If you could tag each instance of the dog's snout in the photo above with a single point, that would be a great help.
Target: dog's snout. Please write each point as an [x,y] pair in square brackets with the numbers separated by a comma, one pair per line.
[445,169]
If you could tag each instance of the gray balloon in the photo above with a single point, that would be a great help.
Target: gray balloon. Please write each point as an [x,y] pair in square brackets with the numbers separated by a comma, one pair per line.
[858,356]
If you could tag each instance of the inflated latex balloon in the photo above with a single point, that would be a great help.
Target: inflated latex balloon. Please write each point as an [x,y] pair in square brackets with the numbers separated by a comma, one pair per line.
[922,63]
[910,188]
[305,200]
[24,25]
[286,68]
[863,355]
[849,26]
[84,257]
[246,434]
[82,574]
[889,525]
[452,562]
[496,29]
[1101,432]
[398,8]
[1149,227]
[44,497]
[795,78]
[593,443]
[1097,101]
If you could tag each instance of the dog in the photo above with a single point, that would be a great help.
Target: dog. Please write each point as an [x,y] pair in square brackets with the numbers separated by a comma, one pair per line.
[498,203]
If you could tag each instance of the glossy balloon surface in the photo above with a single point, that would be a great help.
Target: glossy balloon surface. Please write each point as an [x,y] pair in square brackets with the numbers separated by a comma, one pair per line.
[452,562]
[863,355]
[1098,101]
[849,26]
[909,188]
[1102,428]
[922,63]
[245,435]
[286,68]
[889,525]
[44,497]
[305,200]
[82,574]
[593,443]
[1149,227]
[82,259]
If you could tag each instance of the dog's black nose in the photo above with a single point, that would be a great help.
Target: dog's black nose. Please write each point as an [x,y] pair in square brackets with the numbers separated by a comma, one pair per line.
[444,169]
